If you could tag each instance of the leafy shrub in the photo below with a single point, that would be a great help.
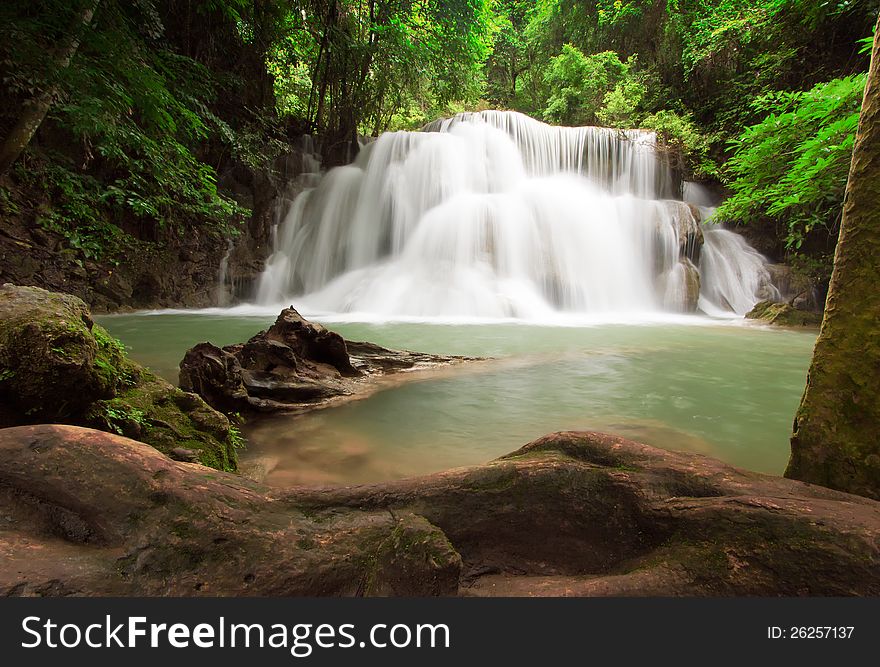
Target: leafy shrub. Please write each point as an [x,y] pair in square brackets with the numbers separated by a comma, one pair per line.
[792,167]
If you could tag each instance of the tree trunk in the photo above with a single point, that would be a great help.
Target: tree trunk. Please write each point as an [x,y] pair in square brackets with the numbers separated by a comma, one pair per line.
[836,440]
[35,111]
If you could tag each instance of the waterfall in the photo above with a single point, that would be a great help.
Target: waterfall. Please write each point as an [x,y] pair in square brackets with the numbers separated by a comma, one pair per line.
[495,215]
[222,293]
[734,275]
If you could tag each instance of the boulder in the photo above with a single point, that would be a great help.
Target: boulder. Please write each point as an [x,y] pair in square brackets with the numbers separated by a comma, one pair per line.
[796,289]
[51,366]
[56,365]
[295,365]
[783,315]
[92,513]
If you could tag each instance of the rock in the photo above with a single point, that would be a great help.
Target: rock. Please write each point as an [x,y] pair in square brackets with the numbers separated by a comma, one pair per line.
[692,286]
[784,315]
[796,289]
[215,375]
[686,220]
[49,359]
[57,365]
[311,343]
[92,513]
[690,233]
[116,286]
[151,274]
[808,300]
[183,454]
[294,365]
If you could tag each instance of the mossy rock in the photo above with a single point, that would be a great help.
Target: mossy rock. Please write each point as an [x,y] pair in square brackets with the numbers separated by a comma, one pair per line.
[783,315]
[56,365]
[51,366]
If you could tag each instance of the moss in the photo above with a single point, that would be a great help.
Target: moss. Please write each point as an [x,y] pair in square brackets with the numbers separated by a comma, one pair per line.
[57,365]
[415,550]
[783,315]
[176,419]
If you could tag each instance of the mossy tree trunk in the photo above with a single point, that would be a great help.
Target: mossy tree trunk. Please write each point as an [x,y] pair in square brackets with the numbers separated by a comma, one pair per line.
[836,439]
[34,112]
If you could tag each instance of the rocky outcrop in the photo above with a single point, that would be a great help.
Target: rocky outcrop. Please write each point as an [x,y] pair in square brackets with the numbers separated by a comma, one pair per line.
[294,365]
[91,513]
[56,365]
[168,271]
[266,193]
[797,290]
[783,315]
[688,220]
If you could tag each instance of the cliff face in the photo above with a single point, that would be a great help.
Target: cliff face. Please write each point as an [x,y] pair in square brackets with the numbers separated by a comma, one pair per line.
[177,267]
[169,272]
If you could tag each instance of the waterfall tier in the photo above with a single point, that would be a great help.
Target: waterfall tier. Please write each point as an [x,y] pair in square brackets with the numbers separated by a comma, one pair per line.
[496,215]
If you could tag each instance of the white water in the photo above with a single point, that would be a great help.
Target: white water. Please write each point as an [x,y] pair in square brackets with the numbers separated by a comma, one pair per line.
[495,215]
[734,275]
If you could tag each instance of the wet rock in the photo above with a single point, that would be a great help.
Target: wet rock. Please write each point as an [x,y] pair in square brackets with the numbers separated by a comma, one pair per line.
[56,365]
[784,315]
[796,289]
[293,365]
[692,286]
[167,271]
[92,513]
[690,232]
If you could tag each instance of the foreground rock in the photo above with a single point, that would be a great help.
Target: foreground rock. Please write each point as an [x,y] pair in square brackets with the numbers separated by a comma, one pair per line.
[56,365]
[90,513]
[294,365]
[783,315]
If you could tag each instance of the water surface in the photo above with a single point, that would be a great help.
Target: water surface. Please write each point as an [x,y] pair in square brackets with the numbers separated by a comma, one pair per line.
[728,390]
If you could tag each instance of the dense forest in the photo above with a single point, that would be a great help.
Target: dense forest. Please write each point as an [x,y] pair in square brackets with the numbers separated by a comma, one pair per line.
[129,126]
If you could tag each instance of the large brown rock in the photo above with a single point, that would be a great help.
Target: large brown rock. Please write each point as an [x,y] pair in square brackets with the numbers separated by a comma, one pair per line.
[50,365]
[90,513]
[294,365]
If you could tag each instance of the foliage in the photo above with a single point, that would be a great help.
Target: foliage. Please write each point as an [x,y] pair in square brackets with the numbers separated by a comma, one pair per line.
[348,66]
[792,166]
[236,439]
[130,119]
[680,134]
[580,84]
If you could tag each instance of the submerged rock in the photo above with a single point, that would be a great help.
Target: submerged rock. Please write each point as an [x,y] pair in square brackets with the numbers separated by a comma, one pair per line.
[56,365]
[92,513]
[294,365]
[784,315]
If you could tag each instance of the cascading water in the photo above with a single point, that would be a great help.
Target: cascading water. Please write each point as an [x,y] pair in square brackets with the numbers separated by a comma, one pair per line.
[734,275]
[496,215]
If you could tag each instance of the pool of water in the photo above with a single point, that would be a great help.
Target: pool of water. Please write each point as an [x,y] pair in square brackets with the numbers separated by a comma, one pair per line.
[726,389]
